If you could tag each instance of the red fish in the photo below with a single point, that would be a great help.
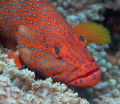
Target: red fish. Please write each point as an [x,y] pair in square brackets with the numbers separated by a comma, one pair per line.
[46,42]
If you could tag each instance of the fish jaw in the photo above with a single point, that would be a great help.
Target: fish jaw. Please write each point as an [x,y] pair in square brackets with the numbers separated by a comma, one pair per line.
[89,77]
[84,76]
[88,81]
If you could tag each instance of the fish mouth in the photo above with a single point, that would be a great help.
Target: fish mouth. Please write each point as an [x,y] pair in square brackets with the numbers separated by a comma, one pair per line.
[88,75]
[84,76]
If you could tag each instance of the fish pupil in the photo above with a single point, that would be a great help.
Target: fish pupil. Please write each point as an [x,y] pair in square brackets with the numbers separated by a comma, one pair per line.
[57,50]
[81,38]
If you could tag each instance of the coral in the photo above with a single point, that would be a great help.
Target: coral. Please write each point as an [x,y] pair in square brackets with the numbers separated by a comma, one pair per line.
[5,50]
[19,87]
[77,11]
[114,58]
[107,100]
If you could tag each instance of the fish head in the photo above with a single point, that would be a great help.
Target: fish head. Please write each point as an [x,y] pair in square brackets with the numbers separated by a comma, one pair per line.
[60,55]
[78,68]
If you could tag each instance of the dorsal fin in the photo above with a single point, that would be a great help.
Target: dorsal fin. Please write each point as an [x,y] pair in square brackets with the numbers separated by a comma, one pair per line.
[93,32]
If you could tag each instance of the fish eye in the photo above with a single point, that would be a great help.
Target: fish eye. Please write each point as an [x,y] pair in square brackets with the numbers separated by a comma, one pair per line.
[81,38]
[60,50]
[57,50]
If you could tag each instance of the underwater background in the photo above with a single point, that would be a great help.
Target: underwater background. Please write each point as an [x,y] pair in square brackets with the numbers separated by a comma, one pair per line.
[17,87]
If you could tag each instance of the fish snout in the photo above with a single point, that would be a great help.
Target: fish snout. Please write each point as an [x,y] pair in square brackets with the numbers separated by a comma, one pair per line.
[86,75]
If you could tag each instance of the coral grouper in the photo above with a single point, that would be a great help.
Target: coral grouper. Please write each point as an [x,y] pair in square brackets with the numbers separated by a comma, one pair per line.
[46,43]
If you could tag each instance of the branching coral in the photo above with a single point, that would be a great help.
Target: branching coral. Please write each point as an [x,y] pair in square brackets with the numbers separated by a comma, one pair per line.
[19,87]
[77,11]
[4,50]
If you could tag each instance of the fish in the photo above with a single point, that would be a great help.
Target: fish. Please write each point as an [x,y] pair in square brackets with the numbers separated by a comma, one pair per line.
[46,43]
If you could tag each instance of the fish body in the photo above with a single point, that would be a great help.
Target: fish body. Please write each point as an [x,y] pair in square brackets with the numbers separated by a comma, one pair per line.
[46,42]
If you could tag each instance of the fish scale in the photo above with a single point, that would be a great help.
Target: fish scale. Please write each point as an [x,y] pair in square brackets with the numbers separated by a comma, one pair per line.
[46,42]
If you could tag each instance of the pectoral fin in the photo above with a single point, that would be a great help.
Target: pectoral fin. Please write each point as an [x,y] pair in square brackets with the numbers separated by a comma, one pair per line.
[17,59]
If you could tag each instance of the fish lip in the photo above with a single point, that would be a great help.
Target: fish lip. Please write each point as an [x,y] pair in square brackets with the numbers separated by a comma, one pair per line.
[84,82]
[69,77]
[94,69]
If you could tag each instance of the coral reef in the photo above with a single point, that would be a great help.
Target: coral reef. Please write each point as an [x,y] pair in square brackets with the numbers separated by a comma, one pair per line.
[77,11]
[112,22]
[107,90]
[19,87]
[5,50]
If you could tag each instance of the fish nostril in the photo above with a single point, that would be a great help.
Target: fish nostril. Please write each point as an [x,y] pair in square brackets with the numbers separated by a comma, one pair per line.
[93,60]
